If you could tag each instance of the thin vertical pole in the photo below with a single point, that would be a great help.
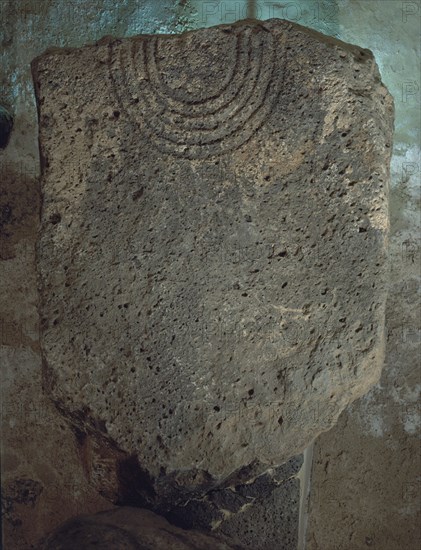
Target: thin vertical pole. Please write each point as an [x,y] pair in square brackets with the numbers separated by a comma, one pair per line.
[251,9]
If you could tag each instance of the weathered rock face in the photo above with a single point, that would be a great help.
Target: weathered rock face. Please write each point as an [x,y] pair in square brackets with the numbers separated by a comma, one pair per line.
[131,528]
[262,513]
[213,248]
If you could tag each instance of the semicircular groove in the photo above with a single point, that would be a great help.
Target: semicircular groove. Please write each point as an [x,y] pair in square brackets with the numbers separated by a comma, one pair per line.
[198,135]
[180,95]
[213,105]
[208,128]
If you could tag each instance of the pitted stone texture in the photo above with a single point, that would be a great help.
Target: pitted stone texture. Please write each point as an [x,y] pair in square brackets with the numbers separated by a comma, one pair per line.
[131,528]
[270,521]
[213,248]
[261,514]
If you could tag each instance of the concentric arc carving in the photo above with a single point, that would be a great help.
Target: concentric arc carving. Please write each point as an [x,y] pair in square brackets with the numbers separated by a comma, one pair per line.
[211,124]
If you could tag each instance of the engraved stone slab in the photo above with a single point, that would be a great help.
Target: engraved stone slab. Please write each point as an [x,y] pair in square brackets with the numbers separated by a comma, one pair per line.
[213,249]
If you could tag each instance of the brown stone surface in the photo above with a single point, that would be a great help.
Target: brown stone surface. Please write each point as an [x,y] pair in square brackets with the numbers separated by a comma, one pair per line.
[366,476]
[262,513]
[131,528]
[37,446]
[213,247]
[357,476]
[43,478]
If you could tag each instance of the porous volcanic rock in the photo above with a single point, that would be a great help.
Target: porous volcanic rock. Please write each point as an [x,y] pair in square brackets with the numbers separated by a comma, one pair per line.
[213,251]
[262,513]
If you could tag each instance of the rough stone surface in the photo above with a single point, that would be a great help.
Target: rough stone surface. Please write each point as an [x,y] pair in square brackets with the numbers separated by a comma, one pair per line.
[268,523]
[262,514]
[365,482]
[40,463]
[213,247]
[37,444]
[131,528]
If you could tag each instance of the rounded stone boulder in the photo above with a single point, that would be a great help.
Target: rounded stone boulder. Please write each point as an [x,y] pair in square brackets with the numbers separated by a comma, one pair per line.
[130,529]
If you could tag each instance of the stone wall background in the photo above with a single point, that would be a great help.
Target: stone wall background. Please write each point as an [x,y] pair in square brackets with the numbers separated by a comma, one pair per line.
[365,482]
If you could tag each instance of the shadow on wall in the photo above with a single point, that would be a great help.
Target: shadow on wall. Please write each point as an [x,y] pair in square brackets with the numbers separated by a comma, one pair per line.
[6,126]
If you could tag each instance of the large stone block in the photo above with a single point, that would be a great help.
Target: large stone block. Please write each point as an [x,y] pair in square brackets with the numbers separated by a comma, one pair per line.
[131,529]
[213,252]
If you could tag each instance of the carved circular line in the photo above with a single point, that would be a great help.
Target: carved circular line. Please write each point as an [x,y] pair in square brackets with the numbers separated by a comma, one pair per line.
[177,142]
[258,82]
[214,147]
[153,46]
[235,118]
[212,117]
[199,152]
[220,145]
[112,58]
[202,108]
[169,145]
